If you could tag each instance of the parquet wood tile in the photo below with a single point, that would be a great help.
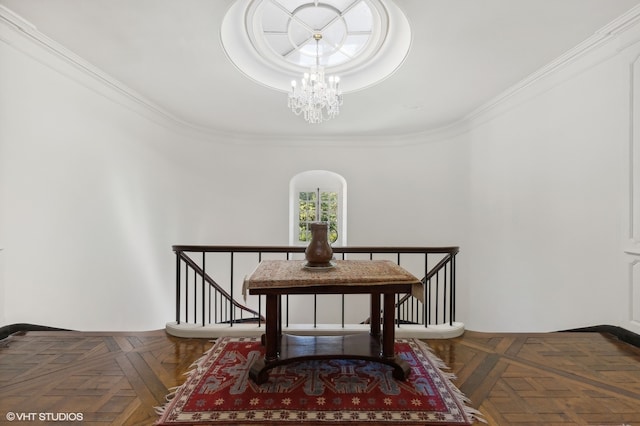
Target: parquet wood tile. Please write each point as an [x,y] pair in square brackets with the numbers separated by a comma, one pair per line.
[110,378]
[547,379]
[513,379]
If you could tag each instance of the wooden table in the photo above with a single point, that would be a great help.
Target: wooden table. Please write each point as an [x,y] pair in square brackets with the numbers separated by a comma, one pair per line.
[274,278]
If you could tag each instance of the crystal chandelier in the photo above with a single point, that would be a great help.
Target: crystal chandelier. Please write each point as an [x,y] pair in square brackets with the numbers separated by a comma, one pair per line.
[315,98]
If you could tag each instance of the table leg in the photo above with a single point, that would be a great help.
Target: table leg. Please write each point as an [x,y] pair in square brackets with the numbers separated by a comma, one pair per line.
[279,316]
[272,326]
[388,333]
[401,369]
[375,314]
[258,371]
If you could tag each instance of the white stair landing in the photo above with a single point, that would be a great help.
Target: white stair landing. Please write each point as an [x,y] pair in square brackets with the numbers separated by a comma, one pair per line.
[212,331]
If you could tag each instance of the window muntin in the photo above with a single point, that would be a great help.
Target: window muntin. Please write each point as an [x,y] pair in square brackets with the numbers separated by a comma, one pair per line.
[288,27]
[317,195]
[317,206]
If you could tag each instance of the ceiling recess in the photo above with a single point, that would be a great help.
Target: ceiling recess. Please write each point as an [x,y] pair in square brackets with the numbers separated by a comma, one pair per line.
[271,41]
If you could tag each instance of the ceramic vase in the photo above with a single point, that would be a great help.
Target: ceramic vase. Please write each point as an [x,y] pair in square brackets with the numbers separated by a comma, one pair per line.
[319,252]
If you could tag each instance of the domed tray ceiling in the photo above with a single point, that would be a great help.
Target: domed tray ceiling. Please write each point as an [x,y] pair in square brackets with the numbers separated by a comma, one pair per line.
[272,41]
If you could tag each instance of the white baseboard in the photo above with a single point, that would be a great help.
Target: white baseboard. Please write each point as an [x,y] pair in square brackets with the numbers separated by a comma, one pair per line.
[212,331]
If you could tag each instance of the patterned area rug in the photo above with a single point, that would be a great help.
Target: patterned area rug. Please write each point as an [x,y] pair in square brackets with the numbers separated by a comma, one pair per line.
[219,391]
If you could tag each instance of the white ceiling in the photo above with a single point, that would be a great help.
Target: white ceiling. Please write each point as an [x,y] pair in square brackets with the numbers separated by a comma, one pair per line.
[463,54]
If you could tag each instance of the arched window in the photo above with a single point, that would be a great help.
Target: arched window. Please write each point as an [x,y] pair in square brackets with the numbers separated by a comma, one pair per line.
[314,196]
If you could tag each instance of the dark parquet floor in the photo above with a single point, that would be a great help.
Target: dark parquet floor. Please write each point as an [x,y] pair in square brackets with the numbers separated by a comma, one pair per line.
[513,379]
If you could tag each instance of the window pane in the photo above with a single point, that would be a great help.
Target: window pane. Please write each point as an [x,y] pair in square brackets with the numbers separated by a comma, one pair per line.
[329,213]
[304,234]
[311,210]
[319,196]
[307,214]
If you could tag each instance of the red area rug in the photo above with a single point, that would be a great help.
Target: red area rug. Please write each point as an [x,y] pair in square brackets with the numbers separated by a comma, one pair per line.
[219,391]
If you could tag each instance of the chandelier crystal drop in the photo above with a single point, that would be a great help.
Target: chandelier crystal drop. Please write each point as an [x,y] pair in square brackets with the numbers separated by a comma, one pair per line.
[315,98]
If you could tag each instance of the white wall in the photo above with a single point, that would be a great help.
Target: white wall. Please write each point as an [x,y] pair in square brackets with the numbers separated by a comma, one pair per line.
[95,191]
[86,204]
[94,194]
[3,202]
[548,204]
[407,196]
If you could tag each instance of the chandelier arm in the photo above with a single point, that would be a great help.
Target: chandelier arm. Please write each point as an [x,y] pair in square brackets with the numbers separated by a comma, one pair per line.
[316,100]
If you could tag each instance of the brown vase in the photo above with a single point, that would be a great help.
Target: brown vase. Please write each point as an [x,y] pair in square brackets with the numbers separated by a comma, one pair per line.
[319,252]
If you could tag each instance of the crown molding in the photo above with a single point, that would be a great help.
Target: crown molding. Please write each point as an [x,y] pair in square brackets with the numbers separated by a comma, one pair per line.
[108,86]
[11,18]
[604,37]
[20,34]
[623,23]
[600,39]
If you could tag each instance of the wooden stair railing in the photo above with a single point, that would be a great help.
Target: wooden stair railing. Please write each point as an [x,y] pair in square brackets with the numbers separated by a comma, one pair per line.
[411,309]
[405,301]
[211,282]
[407,298]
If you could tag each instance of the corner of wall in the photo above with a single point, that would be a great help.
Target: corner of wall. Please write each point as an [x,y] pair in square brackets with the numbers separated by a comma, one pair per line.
[3,319]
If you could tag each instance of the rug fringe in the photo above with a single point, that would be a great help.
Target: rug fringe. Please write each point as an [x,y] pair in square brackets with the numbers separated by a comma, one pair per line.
[195,367]
[471,412]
